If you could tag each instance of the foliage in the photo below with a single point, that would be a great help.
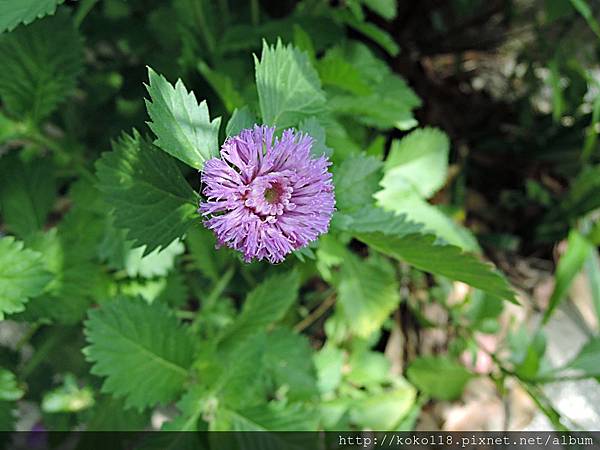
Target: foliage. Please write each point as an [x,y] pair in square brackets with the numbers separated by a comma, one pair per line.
[125,305]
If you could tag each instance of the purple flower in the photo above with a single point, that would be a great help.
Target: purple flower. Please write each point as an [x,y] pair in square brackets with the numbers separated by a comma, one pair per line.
[267,197]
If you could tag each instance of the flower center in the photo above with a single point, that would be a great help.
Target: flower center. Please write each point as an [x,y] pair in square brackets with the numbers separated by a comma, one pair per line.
[272,194]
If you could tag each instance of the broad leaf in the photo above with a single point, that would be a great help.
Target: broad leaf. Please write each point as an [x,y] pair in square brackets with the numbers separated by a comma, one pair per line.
[27,193]
[313,127]
[265,305]
[588,359]
[449,261]
[288,86]
[438,377]
[40,64]
[22,276]
[149,195]
[14,12]
[182,126]
[367,293]
[141,349]
[383,411]
[288,359]
[418,162]
[356,180]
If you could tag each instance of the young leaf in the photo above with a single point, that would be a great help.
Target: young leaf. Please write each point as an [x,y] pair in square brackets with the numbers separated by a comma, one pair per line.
[420,251]
[438,377]
[14,12]
[22,276]
[182,126]
[10,390]
[288,86]
[40,64]
[149,195]
[141,349]
[367,293]
[27,193]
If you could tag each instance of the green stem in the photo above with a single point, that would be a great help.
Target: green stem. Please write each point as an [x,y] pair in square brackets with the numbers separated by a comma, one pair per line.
[85,6]
[255,12]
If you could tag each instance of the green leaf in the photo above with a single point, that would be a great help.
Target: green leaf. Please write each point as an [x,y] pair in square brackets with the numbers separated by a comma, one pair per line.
[182,126]
[269,417]
[367,293]
[121,254]
[385,8]
[383,411]
[569,265]
[109,414]
[430,216]
[241,119]
[40,64]
[22,276]
[150,197]
[201,243]
[587,360]
[313,127]
[289,361]
[223,87]
[10,390]
[14,12]
[68,398]
[141,349]
[449,261]
[372,219]
[265,305]
[288,86]
[371,31]
[77,279]
[335,71]
[27,194]
[438,376]
[356,180]
[418,162]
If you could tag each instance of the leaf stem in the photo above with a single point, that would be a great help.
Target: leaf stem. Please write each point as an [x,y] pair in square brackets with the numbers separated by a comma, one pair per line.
[316,314]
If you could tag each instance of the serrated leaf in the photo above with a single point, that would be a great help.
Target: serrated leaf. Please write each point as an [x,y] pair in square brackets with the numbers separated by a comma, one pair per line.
[141,349]
[22,276]
[241,119]
[269,417]
[182,126]
[150,197]
[356,180]
[367,293]
[14,12]
[27,193]
[420,251]
[40,64]
[121,254]
[372,219]
[264,305]
[335,71]
[439,377]
[288,86]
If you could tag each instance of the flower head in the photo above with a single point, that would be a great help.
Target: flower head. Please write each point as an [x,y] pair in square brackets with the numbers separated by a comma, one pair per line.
[266,196]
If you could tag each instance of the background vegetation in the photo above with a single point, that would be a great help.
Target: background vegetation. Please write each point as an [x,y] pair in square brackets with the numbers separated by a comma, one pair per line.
[460,131]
